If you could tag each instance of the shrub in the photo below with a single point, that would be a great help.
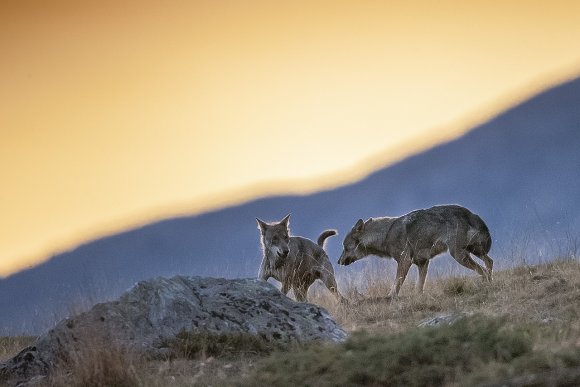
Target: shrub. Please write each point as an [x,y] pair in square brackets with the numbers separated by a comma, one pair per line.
[420,357]
[458,286]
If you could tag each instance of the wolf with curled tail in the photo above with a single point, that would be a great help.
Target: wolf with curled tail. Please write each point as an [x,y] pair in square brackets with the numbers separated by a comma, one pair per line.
[417,237]
[295,261]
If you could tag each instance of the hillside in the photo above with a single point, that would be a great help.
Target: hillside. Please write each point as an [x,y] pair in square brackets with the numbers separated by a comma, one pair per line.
[520,330]
[519,171]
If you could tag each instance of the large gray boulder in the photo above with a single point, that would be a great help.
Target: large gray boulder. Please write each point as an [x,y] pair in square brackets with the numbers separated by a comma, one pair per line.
[153,312]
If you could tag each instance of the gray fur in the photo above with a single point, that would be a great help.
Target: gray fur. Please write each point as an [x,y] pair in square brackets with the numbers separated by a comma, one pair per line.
[417,237]
[295,261]
[325,234]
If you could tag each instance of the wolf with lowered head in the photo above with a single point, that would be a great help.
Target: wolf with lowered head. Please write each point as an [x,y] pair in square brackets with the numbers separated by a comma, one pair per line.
[295,261]
[417,237]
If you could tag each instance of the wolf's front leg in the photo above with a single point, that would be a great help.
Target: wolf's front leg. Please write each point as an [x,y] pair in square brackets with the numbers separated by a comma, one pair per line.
[403,267]
[264,273]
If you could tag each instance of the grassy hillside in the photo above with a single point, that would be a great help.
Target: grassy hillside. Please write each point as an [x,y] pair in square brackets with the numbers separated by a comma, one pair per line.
[523,329]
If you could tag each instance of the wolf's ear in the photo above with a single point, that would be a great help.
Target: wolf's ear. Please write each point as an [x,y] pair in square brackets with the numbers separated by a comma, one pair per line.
[359,225]
[285,221]
[262,226]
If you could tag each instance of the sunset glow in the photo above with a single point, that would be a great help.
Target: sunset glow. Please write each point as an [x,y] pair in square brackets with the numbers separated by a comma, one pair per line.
[116,113]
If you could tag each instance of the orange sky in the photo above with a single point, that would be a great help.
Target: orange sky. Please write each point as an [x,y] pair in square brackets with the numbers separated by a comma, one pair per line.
[115,113]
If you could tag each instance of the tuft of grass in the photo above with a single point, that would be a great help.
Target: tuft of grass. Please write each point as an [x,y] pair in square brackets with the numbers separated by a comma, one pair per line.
[458,286]
[96,362]
[97,366]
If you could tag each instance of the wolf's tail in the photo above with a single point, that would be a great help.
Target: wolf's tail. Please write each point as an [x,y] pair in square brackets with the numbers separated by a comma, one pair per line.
[325,234]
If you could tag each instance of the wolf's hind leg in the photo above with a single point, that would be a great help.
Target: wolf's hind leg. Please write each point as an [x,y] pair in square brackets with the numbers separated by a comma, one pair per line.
[462,256]
[481,253]
[488,264]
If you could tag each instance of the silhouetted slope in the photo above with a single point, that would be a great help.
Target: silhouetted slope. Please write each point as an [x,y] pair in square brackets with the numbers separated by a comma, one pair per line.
[520,171]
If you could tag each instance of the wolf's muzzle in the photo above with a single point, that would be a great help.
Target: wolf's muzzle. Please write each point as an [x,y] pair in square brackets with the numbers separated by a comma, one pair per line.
[345,260]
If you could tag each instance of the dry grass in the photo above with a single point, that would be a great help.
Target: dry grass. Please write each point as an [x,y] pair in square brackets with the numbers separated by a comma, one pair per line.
[542,294]
[202,372]
[94,362]
[541,302]
[10,346]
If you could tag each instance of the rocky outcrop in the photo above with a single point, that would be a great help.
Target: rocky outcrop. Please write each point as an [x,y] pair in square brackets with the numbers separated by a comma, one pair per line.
[154,312]
[443,319]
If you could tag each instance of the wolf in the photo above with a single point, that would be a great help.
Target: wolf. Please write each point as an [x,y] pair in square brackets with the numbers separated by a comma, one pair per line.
[295,261]
[418,236]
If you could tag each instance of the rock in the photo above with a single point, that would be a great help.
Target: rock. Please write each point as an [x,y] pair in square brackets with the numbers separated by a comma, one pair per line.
[556,377]
[550,320]
[153,312]
[443,319]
